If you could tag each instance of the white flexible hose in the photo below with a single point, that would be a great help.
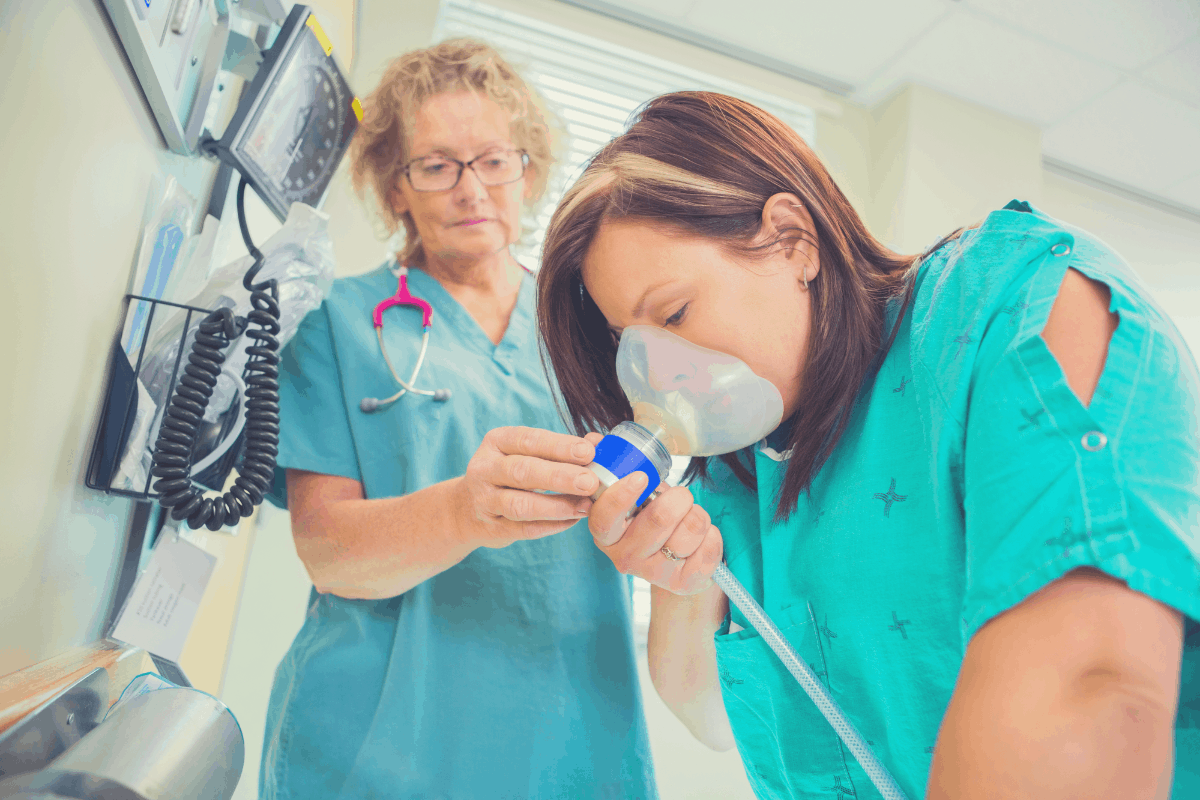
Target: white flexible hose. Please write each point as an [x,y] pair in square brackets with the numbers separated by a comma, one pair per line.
[758,618]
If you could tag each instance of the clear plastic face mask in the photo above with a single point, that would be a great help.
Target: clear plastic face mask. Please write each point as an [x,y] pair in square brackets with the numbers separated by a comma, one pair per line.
[696,401]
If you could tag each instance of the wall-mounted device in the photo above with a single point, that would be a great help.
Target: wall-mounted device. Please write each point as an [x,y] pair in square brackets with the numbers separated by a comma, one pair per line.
[296,120]
[292,126]
[176,48]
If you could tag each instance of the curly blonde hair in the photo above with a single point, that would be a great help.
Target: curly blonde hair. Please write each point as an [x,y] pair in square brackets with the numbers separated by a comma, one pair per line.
[380,149]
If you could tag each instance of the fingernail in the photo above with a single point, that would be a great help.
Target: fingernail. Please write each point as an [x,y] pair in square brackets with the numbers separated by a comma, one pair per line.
[582,450]
[585,481]
[639,480]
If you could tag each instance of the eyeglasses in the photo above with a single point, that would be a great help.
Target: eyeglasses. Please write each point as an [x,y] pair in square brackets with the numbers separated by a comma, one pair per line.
[439,173]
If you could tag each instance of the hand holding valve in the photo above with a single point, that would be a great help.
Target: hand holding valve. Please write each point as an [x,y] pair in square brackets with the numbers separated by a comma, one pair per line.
[671,542]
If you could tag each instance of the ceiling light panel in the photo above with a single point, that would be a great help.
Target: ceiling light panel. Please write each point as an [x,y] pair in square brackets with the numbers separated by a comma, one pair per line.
[991,64]
[1123,33]
[1178,73]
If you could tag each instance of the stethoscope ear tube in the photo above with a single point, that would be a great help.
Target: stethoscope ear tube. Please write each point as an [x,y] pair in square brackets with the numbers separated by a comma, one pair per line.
[370,404]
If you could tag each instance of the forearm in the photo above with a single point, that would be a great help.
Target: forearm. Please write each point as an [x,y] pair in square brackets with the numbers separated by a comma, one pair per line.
[683,661]
[1088,741]
[371,549]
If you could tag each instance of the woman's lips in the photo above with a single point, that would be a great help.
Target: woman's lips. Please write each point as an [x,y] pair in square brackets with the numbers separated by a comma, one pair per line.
[471,221]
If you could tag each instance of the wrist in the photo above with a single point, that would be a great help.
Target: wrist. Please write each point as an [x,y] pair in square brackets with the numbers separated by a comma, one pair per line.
[463,523]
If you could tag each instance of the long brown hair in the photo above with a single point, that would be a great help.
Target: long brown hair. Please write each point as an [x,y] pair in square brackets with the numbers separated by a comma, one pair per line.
[706,164]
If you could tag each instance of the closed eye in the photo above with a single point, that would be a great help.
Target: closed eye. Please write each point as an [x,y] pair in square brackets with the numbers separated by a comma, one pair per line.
[677,317]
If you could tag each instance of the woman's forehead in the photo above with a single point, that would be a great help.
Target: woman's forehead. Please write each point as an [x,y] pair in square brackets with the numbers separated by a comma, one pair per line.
[631,258]
[643,247]
[457,122]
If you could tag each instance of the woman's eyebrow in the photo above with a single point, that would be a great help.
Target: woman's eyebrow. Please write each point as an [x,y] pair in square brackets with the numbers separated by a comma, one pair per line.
[637,309]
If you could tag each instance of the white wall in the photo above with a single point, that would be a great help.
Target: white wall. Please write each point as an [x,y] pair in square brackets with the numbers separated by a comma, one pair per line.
[79,147]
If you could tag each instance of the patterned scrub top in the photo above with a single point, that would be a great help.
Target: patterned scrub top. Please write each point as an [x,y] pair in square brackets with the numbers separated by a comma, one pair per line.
[970,476]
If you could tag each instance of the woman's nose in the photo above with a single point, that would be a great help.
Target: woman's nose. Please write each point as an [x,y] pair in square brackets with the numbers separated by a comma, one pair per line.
[675,373]
[469,187]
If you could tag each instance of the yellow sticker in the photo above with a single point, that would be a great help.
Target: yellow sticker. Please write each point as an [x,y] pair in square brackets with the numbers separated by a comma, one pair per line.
[357,106]
[319,33]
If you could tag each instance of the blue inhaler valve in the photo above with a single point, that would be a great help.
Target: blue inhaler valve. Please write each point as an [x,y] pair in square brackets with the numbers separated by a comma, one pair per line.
[630,448]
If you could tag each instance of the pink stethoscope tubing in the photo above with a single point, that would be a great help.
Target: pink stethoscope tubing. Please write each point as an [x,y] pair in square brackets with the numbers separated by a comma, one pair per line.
[403,297]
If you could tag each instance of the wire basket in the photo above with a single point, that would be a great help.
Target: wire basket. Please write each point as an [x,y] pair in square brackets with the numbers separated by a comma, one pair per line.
[117,420]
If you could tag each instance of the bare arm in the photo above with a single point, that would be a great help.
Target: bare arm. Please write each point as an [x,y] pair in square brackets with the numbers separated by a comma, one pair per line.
[1070,694]
[686,606]
[366,549]
[683,661]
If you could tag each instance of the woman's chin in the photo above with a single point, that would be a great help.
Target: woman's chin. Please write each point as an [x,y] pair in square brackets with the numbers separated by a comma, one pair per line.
[474,246]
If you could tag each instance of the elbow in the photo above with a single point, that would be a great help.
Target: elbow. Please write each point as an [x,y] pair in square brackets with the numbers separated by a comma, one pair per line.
[325,558]
[717,741]
[1124,738]
[701,712]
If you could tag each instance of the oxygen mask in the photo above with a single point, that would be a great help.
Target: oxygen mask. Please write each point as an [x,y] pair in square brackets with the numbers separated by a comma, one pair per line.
[687,401]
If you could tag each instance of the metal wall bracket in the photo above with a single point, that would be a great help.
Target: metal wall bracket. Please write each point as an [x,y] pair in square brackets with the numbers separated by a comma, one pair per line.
[242,56]
[46,733]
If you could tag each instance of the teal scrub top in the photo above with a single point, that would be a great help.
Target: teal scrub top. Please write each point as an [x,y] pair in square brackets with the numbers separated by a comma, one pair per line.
[510,675]
[970,476]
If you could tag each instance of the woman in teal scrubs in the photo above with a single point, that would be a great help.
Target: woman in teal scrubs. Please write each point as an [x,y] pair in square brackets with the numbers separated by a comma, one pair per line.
[465,639]
[978,521]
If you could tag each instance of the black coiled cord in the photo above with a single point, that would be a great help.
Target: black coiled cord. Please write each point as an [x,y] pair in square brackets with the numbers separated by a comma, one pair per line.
[177,436]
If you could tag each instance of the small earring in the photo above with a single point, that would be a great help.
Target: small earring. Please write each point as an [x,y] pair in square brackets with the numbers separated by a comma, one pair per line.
[806,280]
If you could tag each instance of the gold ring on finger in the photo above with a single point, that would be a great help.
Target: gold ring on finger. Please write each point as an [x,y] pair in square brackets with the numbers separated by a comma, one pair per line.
[666,551]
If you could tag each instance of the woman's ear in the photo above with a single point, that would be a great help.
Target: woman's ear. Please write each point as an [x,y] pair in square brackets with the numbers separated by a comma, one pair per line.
[397,202]
[785,219]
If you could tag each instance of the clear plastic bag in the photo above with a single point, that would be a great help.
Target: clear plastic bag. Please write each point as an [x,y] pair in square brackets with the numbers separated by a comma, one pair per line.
[300,259]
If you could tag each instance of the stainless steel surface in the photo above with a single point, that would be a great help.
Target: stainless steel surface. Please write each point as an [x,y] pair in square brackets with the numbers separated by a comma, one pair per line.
[167,744]
[46,733]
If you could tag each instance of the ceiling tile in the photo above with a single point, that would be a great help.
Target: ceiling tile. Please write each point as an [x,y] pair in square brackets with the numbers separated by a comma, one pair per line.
[1123,33]
[1178,72]
[847,41]
[991,64]
[1186,192]
[1132,134]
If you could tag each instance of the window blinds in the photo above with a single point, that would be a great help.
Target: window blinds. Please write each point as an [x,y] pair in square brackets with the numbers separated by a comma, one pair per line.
[592,85]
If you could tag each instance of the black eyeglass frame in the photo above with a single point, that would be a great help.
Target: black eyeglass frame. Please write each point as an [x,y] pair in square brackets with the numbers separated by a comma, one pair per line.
[463,165]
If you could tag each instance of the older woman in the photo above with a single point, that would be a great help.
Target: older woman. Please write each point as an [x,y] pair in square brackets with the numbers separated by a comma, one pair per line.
[977,520]
[464,638]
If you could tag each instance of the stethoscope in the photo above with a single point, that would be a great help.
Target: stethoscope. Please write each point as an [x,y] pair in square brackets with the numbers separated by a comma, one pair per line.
[403,297]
